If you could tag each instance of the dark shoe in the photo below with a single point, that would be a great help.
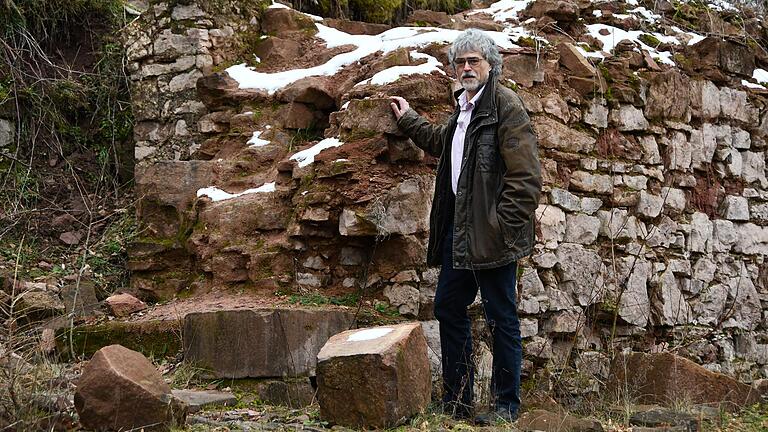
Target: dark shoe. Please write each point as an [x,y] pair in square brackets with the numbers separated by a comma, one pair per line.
[496,417]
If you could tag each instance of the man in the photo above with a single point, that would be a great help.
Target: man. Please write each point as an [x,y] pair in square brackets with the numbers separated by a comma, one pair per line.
[487,188]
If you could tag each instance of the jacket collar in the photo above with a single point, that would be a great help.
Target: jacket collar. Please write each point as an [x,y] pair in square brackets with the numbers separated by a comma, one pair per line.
[487,104]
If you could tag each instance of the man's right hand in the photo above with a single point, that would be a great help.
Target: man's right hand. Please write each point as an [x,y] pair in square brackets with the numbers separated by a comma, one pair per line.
[399,106]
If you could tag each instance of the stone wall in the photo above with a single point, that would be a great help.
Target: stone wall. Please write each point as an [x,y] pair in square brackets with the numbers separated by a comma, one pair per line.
[652,229]
[170,46]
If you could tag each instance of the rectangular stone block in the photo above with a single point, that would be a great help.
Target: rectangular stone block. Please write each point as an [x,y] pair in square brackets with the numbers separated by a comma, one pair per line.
[260,343]
[374,377]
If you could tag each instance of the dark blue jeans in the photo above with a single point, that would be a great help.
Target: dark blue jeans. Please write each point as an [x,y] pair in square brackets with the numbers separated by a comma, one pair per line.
[456,290]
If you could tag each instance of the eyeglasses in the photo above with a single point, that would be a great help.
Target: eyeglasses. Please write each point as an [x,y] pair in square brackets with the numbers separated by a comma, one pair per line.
[473,61]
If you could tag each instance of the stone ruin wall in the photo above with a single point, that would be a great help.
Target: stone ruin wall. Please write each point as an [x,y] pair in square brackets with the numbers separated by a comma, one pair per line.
[652,229]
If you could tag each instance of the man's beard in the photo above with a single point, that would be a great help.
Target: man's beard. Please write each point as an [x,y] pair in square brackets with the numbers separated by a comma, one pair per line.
[471,85]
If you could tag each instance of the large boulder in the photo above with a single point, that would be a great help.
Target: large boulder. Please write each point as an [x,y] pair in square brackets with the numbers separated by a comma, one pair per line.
[260,343]
[374,377]
[666,379]
[120,389]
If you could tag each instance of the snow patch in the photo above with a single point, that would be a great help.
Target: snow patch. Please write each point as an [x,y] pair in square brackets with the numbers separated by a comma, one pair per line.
[255,141]
[216,194]
[369,334]
[616,35]
[760,75]
[306,157]
[390,40]
[394,73]
[504,10]
[748,84]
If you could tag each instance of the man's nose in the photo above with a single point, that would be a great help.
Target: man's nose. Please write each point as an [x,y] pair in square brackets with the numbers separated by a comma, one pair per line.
[466,66]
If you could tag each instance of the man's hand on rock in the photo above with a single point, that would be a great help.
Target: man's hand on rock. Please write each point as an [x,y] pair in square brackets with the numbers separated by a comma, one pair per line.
[399,106]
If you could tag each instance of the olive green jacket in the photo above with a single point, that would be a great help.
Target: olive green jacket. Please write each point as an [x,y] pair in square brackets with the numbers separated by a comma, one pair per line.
[499,186]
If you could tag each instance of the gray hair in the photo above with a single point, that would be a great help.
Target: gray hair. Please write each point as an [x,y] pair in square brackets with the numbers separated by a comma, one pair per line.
[476,40]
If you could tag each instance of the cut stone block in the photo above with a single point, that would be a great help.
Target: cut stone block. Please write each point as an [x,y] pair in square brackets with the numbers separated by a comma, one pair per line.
[260,343]
[374,377]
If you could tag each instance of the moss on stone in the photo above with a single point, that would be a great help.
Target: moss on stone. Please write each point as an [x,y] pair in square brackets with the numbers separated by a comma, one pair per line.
[649,39]
[151,338]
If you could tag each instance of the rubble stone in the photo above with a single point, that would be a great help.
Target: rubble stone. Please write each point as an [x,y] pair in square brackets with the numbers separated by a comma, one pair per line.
[121,389]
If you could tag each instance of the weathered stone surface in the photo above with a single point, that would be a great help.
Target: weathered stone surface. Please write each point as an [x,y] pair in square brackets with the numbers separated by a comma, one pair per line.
[590,205]
[318,91]
[734,105]
[565,321]
[663,418]
[759,212]
[581,228]
[551,221]
[524,69]
[185,12]
[7,130]
[574,61]
[700,237]
[560,10]
[374,377]
[705,99]
[650,149]
[751,239]
[741,139]
[403,210]
[555,105]
[404,297]
[617,224]
[369,116]
[679,151]
[586,182]
[709,308]
[259,343]
[281,20]
[122,305]
[36,304]
[169,45]
[717,56]
[547,421]
[555,135]
[166,190]
[581,273]
[564,199]
[744,310]
[634,304]
[665,378]
[674,199]
[120,389]
[665,100]
[240,216]
[703,143]
[597,114]
[735,208]
[753,170]
[670,306]
[629,118]
[649,205]
[80,298]
[198,399]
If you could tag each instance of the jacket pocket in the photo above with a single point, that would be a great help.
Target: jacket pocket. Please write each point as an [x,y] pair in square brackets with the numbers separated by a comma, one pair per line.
[487,152]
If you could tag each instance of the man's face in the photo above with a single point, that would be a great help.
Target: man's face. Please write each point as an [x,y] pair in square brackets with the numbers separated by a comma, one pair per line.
[472,70]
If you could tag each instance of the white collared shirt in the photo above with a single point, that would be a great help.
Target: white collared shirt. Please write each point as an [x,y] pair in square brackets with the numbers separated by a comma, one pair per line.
[457,145]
